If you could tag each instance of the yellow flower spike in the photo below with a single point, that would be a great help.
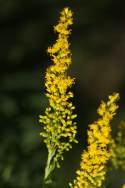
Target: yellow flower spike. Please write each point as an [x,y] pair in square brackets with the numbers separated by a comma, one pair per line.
[58,127]
[93,160]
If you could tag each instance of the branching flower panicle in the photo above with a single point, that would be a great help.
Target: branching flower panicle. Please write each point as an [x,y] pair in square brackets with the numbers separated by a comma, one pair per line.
[93,160]
[59,129]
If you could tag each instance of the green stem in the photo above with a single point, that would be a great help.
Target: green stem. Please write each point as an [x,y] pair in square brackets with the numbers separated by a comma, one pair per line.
[50,165]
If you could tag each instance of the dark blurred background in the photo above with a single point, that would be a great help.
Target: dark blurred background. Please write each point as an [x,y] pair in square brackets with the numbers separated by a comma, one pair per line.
[98,48]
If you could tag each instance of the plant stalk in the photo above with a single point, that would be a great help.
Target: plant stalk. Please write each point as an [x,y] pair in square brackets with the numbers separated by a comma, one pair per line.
[50,165]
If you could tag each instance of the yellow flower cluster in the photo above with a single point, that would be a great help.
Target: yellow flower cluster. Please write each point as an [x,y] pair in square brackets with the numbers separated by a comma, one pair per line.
[59,129]
[117,148]
[93,161]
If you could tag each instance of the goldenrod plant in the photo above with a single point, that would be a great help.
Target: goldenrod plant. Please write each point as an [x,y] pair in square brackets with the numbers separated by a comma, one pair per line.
[94,159]
[117,148]
[58,124]
[58,127]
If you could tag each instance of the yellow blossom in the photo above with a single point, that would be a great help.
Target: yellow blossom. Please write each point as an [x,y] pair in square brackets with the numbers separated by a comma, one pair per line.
[58,127]
[93,160]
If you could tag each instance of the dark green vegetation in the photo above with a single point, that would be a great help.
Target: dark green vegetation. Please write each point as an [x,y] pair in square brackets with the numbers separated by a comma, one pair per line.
[98,48]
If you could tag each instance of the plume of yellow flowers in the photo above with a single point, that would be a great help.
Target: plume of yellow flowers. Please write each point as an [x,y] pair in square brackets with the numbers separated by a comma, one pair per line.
[93,160]
[117,148]
[58,127]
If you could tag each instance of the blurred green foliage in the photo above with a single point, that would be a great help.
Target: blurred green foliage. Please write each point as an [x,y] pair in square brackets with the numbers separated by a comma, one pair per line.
[97,39]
